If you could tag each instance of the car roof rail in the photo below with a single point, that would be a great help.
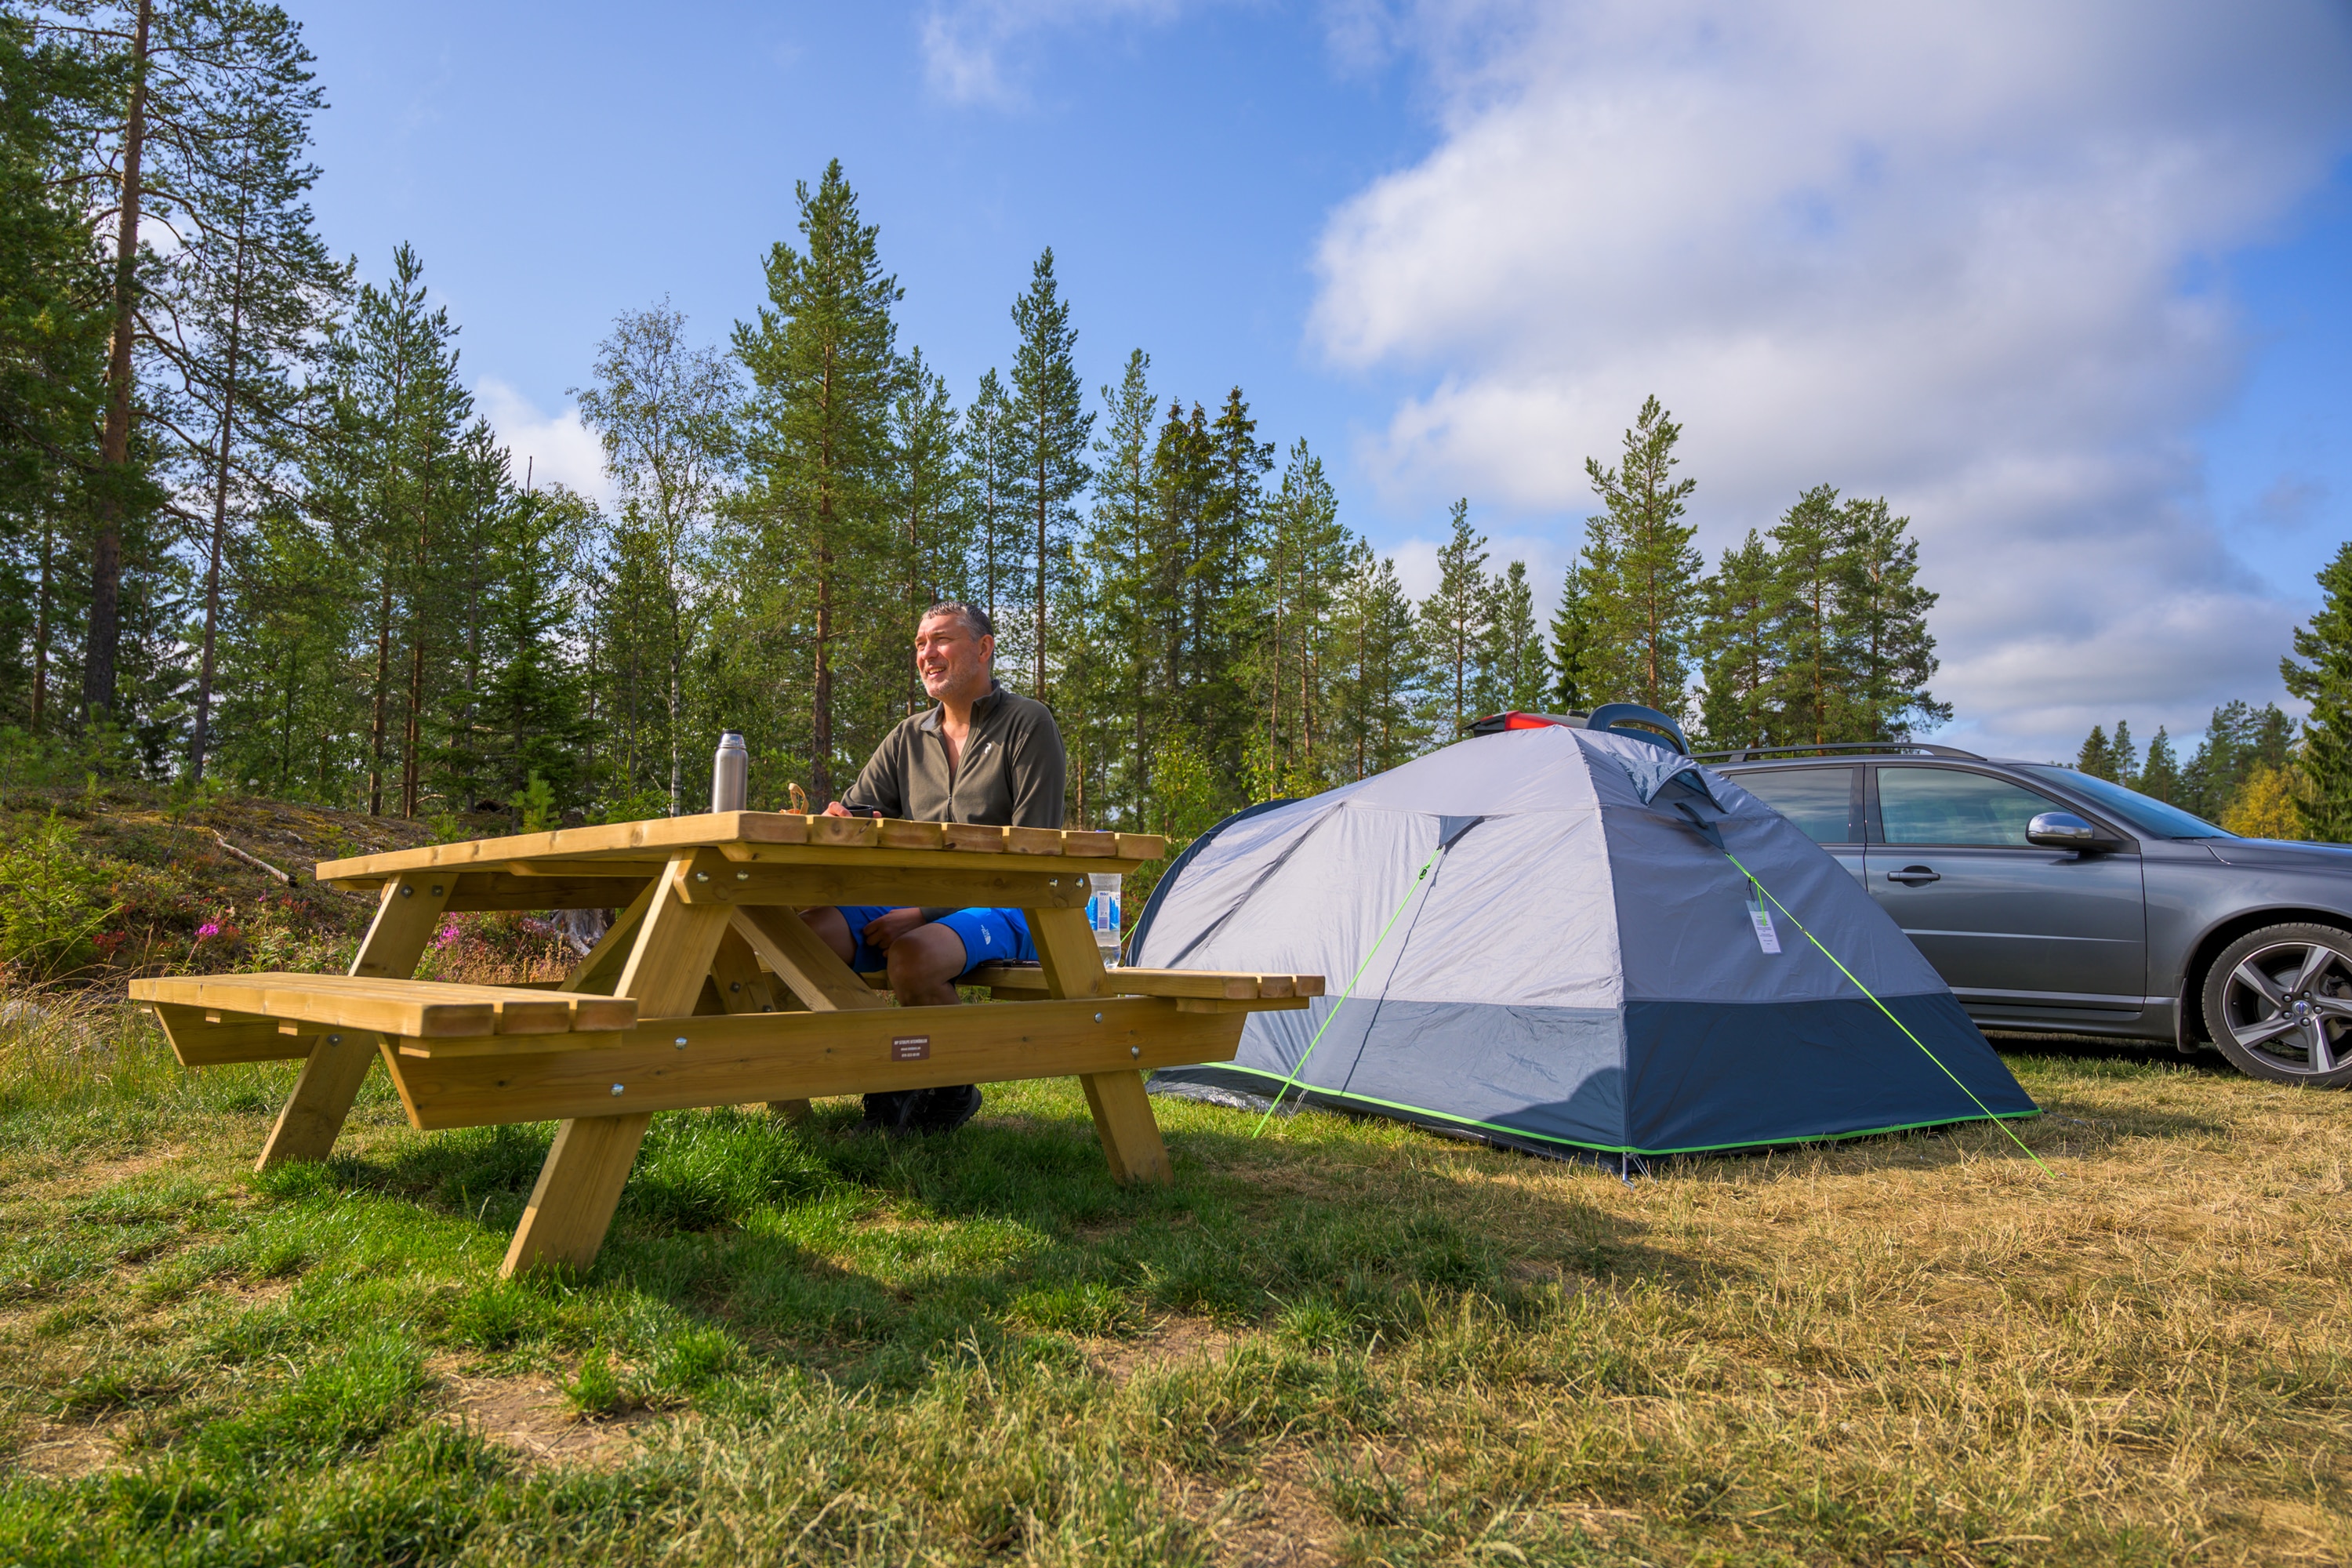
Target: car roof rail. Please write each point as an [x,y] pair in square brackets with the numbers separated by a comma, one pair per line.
[1897,748]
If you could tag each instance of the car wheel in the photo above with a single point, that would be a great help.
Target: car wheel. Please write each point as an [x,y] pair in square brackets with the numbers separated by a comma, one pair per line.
[2278,1002]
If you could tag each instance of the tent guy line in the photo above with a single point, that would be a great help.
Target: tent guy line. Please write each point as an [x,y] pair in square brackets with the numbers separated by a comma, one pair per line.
[1419,877]
[1890,1018]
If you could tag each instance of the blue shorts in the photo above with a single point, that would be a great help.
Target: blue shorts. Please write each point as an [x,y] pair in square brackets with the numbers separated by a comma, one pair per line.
[989,936]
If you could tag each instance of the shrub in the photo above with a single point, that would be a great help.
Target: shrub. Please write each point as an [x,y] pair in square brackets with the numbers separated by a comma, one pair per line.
[51,904]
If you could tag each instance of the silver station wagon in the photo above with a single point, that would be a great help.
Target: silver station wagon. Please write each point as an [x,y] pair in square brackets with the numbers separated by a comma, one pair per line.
[2052,901]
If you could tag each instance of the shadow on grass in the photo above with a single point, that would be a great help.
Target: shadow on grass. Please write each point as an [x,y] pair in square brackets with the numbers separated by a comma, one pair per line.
[864,1258]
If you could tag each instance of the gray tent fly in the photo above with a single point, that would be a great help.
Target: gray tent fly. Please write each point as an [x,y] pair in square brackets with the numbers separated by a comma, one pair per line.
[1572,963]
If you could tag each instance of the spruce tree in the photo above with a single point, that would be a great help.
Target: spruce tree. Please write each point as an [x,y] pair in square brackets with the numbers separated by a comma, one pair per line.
[2097,758]
[2325,806]
[1126,556]
[928,527]
[823,355]
[1642,572]
[1512,668]
[1889,648]
[1740,640]
[1452,620]
[1302,557]
[985,499]
[1048,429]
[53,341]
[2159,777]
[2122,754]
[1571,629]
[1812,695]
[1384,673]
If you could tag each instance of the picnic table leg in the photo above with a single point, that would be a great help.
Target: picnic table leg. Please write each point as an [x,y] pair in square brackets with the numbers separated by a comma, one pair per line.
[571,1206]
[405,921]
[1123,1119]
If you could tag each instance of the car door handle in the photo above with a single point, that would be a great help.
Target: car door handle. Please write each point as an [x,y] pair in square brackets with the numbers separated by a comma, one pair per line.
[1912,875]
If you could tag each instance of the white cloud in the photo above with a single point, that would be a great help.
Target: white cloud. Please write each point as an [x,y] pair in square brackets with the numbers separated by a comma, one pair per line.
[551,449]
[1945,254]
[965,42]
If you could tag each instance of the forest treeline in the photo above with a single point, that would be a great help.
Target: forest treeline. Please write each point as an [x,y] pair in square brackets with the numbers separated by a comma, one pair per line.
[253,529]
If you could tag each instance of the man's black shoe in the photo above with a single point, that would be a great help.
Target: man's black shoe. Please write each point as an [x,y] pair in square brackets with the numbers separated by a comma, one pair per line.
[944,1109]
[892,1112]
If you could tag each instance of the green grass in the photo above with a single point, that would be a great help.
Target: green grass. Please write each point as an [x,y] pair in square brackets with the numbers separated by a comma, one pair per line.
[1346,1341]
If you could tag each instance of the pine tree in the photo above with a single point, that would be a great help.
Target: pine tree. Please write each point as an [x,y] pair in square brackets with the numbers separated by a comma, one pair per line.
[1452,620]
[1571,630]
[2097,757]
[2159,777]
[1048,433]
[1642,572]
[2324,807]
[1739,641]
[823,355]
[251,296]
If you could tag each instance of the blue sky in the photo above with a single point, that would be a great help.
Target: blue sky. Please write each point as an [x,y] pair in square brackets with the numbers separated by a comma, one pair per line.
[2070,291]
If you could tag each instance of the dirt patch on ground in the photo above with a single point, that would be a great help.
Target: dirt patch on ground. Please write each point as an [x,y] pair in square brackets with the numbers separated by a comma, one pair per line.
[529,1417]
[1172,1339]
[1275,1519]
[57,1453]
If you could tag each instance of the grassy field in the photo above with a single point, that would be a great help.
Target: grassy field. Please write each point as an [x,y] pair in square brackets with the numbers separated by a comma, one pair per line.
[1343,1343]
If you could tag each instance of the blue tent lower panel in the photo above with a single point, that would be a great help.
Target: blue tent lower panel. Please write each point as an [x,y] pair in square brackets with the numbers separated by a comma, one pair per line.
[1692,1076]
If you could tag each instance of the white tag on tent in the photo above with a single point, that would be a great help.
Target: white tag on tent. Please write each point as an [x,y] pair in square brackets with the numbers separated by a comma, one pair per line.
[1762,918]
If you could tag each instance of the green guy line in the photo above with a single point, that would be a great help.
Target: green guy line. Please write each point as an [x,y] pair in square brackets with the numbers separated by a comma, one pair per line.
[1350,991]
[1898,1023]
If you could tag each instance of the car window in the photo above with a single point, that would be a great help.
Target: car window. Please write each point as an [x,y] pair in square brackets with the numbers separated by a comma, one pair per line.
[1947,805]
[2154,817]
[1816,799]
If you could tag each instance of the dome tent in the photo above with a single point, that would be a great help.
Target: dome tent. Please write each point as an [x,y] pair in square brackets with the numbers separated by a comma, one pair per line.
[1570,962]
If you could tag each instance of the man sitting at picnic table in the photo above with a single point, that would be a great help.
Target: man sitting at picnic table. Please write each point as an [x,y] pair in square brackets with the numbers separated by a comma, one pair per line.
[979,754]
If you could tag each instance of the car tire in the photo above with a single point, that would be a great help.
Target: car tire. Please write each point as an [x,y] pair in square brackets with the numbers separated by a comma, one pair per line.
[2278,1003]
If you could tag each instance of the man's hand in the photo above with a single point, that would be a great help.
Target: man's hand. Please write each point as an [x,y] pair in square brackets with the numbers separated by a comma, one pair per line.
[836,809]
[889,927]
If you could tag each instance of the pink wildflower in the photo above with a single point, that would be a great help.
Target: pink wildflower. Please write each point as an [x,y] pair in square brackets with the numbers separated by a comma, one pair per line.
[448,937]
[210,928]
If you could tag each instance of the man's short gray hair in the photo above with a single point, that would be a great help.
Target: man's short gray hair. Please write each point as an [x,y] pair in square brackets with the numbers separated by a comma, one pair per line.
[974,618]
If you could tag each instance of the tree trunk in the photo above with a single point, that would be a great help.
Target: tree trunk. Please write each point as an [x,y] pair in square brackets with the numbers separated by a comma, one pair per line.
[41,623]
[114,443]
[376,723]
[1038,691]
[200,737]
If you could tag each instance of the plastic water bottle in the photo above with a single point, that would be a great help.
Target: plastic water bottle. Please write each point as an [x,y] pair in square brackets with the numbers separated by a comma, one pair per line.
[730,774]
[1102,914]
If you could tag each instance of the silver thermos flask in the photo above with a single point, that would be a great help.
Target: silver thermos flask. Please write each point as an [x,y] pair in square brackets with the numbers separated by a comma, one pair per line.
[731,771]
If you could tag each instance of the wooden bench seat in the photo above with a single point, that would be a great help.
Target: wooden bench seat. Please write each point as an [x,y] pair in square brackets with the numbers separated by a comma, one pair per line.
[1200,985]
[215,1020]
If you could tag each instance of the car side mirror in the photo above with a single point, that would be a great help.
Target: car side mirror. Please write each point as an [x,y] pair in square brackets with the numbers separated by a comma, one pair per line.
[2061,830]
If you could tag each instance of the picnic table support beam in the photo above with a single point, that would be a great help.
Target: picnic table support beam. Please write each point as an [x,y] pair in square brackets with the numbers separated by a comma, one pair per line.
[406,915]
[1123,1119]
[571,1206]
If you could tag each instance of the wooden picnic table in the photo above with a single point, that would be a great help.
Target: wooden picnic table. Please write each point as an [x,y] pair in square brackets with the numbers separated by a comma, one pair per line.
[709,990]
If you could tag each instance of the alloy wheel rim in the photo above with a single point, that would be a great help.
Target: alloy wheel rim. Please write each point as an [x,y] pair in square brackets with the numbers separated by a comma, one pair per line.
[2291,1005]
